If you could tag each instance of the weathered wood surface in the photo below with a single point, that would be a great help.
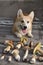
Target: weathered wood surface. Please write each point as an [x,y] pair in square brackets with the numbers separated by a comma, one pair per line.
[9,8]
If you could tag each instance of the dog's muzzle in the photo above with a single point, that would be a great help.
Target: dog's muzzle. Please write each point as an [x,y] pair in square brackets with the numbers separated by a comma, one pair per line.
[25,27]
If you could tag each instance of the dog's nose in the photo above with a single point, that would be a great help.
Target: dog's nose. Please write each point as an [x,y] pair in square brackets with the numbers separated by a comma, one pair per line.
[25,27]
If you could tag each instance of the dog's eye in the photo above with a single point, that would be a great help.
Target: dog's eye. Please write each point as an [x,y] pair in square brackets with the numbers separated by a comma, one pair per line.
[22,21]
[27,21]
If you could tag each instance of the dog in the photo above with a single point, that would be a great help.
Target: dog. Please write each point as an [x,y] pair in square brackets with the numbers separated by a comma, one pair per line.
[23,24]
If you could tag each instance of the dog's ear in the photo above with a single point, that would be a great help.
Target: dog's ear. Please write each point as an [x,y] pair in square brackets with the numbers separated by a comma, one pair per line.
[31,15]
[19,13]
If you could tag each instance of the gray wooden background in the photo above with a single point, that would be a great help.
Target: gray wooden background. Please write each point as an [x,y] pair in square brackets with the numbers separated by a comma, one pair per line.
[8,8]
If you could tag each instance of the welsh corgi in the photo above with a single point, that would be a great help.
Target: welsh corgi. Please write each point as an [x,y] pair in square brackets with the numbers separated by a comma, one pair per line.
[23,24]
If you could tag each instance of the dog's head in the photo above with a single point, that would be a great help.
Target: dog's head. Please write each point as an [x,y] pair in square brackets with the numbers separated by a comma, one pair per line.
[24,22]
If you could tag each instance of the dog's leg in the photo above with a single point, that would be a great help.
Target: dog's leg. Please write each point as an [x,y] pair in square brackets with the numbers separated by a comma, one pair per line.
[30,33]
[18,34]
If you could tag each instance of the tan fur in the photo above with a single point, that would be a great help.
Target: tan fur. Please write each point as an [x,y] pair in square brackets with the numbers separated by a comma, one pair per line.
[21,16]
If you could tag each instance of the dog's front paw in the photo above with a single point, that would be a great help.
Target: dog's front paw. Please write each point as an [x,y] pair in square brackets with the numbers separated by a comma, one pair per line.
[18,35]
[30,35]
